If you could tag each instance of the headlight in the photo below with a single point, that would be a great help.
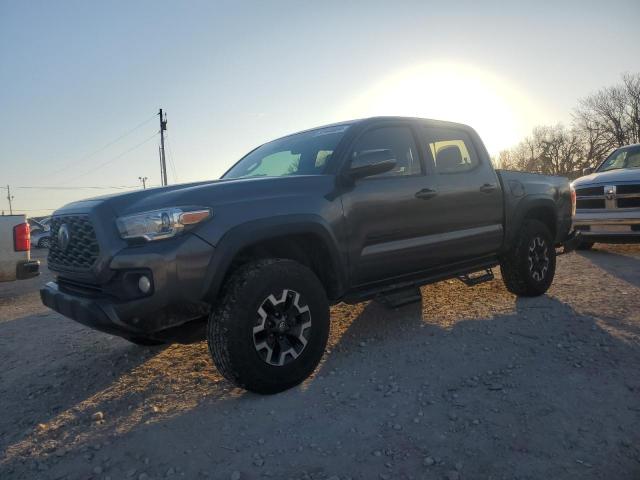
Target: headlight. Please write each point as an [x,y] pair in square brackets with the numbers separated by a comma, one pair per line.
[159,224]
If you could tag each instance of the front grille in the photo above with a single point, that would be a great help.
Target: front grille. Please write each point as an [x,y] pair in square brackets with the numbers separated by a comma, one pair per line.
[82,250]
[633,202]
[622,189]
[616,196]
[588,191]
[591,203]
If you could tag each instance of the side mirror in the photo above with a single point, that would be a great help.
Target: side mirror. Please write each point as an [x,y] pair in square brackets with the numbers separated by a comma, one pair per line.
[372,162]
[587,171]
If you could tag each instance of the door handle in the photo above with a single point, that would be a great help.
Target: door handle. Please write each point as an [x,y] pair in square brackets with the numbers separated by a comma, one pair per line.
[488,188]
[426,194]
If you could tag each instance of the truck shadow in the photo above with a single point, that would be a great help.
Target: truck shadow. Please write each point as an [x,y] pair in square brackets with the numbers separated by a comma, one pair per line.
[468,372]
[624,267]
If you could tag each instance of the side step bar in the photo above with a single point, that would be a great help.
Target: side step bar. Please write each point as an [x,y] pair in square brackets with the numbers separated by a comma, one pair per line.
[476,278]
[400,297]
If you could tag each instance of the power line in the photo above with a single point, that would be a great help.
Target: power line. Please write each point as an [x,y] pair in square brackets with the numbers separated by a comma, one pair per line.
[104,147]
[104,187]
[16,210]
[113,159]
[171,162]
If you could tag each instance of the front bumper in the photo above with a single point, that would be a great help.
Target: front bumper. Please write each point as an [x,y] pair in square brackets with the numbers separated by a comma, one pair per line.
[609,226]
[106,316]
[93,313]
[176,269]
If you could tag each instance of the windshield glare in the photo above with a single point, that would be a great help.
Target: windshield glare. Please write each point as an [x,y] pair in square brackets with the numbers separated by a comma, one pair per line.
[306,153]
[622,158]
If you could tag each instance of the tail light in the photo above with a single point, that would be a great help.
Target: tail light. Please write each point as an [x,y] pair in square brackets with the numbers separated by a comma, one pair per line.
[22,237]
[573,201]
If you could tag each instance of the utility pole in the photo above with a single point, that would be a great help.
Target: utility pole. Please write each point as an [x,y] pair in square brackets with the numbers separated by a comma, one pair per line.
[144,181]
[9,197]
[163,161]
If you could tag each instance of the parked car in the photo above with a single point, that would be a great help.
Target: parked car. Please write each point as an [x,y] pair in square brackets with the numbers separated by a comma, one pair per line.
[369,209]
[608,200]
[15,247]
[40,233]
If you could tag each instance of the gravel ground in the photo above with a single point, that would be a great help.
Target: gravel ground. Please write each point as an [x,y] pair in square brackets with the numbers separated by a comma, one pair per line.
[471,384]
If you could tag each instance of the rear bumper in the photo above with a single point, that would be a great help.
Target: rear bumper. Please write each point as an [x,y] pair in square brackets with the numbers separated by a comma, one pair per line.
[27,269]
[572,241]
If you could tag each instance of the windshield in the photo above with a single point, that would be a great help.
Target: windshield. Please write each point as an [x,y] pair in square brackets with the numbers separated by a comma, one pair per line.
[305,153]
[627,157]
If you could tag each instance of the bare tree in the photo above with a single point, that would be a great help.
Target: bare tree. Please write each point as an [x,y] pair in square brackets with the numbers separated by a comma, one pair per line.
[610,118]
[552,150]
[632,89]
[603,121]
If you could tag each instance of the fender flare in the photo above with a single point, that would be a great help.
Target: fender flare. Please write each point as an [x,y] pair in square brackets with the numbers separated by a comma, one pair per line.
[525,205]
[255,231]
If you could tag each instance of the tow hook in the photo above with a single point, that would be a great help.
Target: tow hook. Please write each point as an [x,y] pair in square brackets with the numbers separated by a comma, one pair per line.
[571,243]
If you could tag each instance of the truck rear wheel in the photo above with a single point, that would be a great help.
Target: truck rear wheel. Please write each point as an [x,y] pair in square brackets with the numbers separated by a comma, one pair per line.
[529,266]
[269,330]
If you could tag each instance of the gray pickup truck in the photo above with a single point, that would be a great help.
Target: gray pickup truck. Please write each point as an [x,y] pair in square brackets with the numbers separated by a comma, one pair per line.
[368,209]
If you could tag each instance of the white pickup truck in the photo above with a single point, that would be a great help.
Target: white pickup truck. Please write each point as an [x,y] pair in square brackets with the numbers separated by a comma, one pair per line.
[15,249]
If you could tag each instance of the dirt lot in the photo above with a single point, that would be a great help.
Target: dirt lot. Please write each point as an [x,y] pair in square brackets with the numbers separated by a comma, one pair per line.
[472,384]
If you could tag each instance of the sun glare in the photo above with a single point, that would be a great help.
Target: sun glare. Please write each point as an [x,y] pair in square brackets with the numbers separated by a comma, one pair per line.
[456,92]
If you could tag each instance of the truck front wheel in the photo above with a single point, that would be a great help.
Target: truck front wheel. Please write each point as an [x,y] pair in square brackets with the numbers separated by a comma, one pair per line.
[529,265]
[269,330]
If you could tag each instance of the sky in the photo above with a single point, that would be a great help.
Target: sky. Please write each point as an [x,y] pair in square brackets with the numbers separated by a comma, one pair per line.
[80,82]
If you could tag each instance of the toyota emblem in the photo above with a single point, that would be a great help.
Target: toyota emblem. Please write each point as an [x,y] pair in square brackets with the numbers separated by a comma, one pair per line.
[64,236]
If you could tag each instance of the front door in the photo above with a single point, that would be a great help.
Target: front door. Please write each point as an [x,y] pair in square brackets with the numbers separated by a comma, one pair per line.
[387,215]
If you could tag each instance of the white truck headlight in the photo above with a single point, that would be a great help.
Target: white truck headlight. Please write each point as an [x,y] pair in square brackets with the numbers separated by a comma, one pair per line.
[159,224]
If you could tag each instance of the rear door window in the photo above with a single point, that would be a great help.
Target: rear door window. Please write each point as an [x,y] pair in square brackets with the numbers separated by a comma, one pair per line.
[451,150]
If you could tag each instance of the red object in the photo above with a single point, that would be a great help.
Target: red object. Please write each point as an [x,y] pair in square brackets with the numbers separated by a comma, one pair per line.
[22,237]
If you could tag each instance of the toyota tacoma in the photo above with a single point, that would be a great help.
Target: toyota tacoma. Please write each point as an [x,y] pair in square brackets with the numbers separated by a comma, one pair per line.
[368,209]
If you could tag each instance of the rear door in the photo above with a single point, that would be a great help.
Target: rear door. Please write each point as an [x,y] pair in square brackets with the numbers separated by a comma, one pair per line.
[469,195]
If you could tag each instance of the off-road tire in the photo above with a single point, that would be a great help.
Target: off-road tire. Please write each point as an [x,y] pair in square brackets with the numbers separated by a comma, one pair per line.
[584,245]
[230,331]
[44,243]
[515,264]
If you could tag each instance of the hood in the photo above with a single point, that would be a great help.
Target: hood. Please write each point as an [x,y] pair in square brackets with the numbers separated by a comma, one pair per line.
[207,194]
[622,175]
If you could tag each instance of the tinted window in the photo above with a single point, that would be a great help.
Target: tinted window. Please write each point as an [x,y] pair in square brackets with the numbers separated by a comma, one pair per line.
[305,153]
[451,150]
[397,139]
